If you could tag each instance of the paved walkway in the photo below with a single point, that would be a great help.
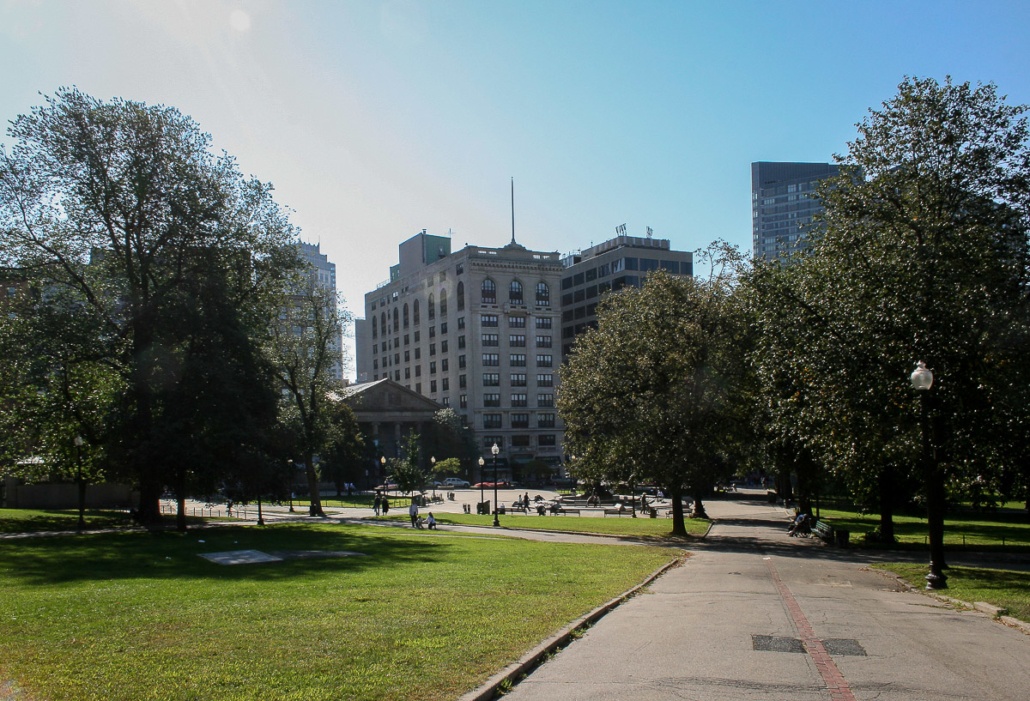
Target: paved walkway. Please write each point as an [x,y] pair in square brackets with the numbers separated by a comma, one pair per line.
[754,615]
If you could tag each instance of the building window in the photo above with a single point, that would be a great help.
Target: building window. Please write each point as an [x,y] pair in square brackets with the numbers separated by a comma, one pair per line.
[445,383]
[491,379]
[491,441]
[520,441]
[491,420]
[516,322]
[418,336]
[545,401]
[543,341]
[515,292]
[443,346]
[405,315]
[414,312]
[432,349]
[461,296]
[407,373]
[519,400]
[432,386]
[463,401]
[461,343]
[544,361]
[490,339]
[545,380]
[431,306]
[546,440]
[492,400]
[418,371]
[418,386]
[543,322]
[519,421]
[461,323]
[432,332]
[545,420]
[518,360]
[396,321]
[517,340]
[491,360]
[489,320]
[462,381]
[443,328]
[407,356]
[443,302]
[461,362]
[444,365]
[432,367]
[375,328]
[418,353]
[488,293]
[518,379]
[543,294]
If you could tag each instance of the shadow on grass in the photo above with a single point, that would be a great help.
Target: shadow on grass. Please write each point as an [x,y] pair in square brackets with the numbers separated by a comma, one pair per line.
[43,521]
[171,555]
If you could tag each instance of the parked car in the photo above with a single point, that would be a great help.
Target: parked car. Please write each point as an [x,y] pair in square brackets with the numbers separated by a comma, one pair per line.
[455,483]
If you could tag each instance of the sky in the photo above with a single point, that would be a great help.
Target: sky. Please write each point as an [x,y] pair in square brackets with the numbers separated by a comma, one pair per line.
[376,119]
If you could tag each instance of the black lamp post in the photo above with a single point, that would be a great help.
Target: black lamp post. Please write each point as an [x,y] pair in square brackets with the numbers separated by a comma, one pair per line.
[289,466]
[432,461]
[495,450]
[482,462]
[382,481]
[78,479]
[922,381]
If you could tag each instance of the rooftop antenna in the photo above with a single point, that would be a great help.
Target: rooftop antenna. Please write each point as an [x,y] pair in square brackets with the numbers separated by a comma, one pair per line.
[513,210]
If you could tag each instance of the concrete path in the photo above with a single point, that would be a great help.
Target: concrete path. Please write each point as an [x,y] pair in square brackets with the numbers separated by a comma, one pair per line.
[754,615]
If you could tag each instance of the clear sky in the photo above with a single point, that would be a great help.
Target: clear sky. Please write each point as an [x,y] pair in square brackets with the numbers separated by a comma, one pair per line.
[375,119]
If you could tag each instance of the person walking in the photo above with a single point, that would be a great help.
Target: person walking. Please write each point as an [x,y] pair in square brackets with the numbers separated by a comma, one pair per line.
[376,503]
[386,505]
[413,512]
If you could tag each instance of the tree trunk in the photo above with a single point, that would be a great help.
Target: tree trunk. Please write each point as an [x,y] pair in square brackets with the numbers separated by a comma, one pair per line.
[679,527]
[313,493]
[699,505]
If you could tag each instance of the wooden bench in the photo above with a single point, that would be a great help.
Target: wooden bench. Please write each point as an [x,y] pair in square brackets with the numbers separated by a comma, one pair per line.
[823,530]
[618,512]
[563,511]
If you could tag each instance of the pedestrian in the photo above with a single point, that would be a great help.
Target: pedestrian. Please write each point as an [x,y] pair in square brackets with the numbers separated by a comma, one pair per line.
[413,512]
[525,502]
[386,505]
[376,503]
[431,522]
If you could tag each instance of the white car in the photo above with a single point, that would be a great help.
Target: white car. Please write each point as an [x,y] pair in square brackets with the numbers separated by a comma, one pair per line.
[455,483]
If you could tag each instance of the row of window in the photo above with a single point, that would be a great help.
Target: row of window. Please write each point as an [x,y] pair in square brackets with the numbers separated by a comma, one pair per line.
[514,340]
[517,379]
[518,441]
[517,399]
[518,420]
[674,267]
[517,360]
[488,293]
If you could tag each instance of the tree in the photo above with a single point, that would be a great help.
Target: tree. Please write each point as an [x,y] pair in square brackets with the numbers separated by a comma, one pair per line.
[448,436]
[658,390]
[408,471]
[303,349]
[345,458]
[115,206]
[922,255]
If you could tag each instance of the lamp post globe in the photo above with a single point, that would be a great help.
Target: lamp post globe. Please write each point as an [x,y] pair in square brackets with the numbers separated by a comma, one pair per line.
[494,451]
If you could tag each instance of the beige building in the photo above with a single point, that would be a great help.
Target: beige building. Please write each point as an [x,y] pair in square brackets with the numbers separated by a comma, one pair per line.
[476,330]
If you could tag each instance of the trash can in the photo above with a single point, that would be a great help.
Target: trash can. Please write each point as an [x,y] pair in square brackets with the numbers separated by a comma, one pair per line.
[843,538]
[483,508]
[654,513]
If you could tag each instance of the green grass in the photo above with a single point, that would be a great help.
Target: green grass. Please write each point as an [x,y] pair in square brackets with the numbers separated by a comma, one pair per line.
[40,520]
[422,615]
[1007,589]
[1003,531]
[657,528]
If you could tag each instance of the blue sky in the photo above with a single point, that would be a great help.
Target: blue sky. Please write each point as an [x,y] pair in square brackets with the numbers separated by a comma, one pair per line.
[376,119]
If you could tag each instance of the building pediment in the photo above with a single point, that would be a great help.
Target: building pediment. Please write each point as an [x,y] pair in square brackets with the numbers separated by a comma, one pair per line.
[386,397]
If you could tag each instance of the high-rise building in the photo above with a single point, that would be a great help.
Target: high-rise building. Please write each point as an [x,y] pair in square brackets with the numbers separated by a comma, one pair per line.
[623,261]
[474,330]
[323,274]
[783,204]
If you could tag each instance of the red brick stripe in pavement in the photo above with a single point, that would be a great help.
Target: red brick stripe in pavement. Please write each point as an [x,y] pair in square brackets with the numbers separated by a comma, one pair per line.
[832,677]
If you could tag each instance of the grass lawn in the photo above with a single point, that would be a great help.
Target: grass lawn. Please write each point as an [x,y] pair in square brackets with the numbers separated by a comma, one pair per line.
[1005,588]
[1003,531]
[37,520]
[420,615]
[657,528]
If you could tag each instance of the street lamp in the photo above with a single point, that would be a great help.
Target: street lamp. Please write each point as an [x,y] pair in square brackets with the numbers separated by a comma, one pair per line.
[382,462]
[495,450]
[78,479]
[922,381]
[433,461]
[289,466]
[482,462]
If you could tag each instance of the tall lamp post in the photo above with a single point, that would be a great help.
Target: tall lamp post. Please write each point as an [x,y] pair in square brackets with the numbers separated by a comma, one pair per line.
[78,479]
[289,467]
[922,381]
[382,462]
[432,460]
[482,462]
[495,450]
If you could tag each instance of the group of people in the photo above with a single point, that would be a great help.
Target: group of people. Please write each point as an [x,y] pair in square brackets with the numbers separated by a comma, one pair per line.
[800,525]
[381,503]
[416,520]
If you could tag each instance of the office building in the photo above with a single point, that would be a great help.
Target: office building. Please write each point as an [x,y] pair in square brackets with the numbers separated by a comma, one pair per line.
[323,274]
[475,330]
[783,205]
[623,261]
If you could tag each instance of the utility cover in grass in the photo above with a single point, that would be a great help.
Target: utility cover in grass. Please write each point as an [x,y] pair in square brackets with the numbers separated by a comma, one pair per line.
[240,557]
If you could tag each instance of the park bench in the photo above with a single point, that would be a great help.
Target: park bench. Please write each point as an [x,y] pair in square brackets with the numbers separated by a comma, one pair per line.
[823,530]
[610,511]
[564,511]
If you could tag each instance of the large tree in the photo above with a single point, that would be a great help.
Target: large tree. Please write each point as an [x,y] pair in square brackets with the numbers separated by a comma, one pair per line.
[922,255]
[118,205]
[657,392]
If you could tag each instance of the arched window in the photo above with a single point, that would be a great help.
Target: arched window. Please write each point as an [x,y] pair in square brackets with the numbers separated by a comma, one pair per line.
[461,296]
[405,315]
[443,302]
[383,325]
[543,294]
[515,292]
[489,292]
[432,307]
[375,327]
[414,312]
[396,320]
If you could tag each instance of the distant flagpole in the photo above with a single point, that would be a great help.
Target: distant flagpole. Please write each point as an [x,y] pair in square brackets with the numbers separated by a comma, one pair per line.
[513,210]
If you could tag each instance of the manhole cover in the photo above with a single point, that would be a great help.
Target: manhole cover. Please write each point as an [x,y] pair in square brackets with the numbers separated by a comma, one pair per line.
[771,643]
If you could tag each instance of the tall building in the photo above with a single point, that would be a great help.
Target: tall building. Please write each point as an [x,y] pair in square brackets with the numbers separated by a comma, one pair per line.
[323,274]
[783,204]
[473,330]
[623,261]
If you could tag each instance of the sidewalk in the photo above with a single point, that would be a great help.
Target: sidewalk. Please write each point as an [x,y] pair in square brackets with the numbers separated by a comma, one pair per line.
[754,615]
